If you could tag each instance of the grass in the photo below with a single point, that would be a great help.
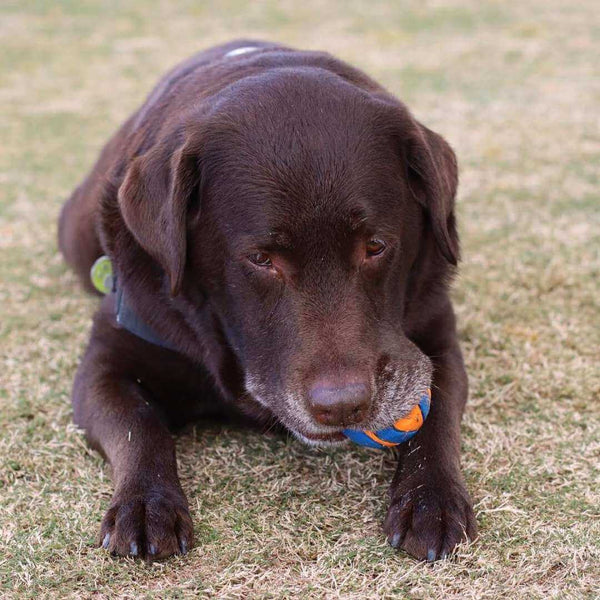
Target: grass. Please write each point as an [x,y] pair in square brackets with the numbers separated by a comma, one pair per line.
[515,87]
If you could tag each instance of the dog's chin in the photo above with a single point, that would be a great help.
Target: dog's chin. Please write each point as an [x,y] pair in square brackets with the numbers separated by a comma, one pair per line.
[323,440]
[337,438]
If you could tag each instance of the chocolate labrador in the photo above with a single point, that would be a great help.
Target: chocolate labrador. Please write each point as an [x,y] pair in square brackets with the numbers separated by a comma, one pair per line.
[282,237]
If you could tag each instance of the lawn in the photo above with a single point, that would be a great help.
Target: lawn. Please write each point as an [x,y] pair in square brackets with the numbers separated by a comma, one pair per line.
[515,88]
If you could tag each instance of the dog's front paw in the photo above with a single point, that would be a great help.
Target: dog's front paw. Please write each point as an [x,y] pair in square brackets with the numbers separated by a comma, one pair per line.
[149,524]
[428,518]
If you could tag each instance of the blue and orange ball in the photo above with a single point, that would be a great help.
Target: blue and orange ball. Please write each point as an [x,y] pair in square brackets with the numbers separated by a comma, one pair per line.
[401,432]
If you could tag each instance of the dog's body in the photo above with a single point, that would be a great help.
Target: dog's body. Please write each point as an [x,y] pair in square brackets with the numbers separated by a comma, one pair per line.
[287,229]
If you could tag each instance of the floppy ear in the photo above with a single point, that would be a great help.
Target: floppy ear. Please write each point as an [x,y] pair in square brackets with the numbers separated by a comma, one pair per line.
[433,178]
[154,199]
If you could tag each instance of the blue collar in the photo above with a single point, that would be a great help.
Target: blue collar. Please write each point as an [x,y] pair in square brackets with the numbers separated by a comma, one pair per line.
[105,280]
[130,320]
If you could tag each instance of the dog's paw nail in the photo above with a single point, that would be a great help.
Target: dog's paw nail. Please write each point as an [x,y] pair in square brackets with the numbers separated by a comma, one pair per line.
[431,556]
[395,540]
[183,547]
[106,541]
[133,549]
[152,549]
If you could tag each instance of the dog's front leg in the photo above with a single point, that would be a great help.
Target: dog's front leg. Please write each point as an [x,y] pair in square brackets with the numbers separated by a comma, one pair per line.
[148,515]
[430,510]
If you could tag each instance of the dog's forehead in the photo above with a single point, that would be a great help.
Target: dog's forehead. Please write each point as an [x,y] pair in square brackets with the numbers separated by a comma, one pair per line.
[276,223]
[296,115]
[287,161]
[269,226]
[284,205]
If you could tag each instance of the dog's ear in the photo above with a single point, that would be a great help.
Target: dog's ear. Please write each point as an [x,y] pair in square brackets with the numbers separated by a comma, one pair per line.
[433,179]
[154,199]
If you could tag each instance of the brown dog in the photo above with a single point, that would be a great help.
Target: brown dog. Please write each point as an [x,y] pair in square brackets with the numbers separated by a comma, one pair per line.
[283,235]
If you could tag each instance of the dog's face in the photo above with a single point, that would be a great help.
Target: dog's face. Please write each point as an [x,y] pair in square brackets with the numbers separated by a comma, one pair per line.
[315,200]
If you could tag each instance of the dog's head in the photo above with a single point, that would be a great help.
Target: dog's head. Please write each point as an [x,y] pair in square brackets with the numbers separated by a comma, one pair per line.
[304,211]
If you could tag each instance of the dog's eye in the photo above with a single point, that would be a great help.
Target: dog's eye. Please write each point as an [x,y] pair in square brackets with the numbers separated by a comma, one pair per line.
[260,259]
[375,247]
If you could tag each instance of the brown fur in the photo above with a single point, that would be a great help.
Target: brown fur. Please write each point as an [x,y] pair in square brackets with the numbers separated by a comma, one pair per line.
[299,157]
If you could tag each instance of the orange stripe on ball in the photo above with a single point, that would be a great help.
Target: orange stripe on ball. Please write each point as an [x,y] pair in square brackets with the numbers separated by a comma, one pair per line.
[411,422]
[379,440]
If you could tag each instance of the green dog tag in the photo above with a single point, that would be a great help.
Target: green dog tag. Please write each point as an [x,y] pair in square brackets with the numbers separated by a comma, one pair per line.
[101,275]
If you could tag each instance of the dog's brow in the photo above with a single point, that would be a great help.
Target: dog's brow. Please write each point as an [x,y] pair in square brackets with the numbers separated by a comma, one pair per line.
[357,219]
[280,238]
[269,240]
[356,224]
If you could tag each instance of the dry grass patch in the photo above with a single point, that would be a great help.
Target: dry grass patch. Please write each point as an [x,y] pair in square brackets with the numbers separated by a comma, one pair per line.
[516,89]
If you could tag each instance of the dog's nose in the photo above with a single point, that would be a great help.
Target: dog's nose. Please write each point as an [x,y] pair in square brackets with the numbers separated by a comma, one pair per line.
[340,403]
